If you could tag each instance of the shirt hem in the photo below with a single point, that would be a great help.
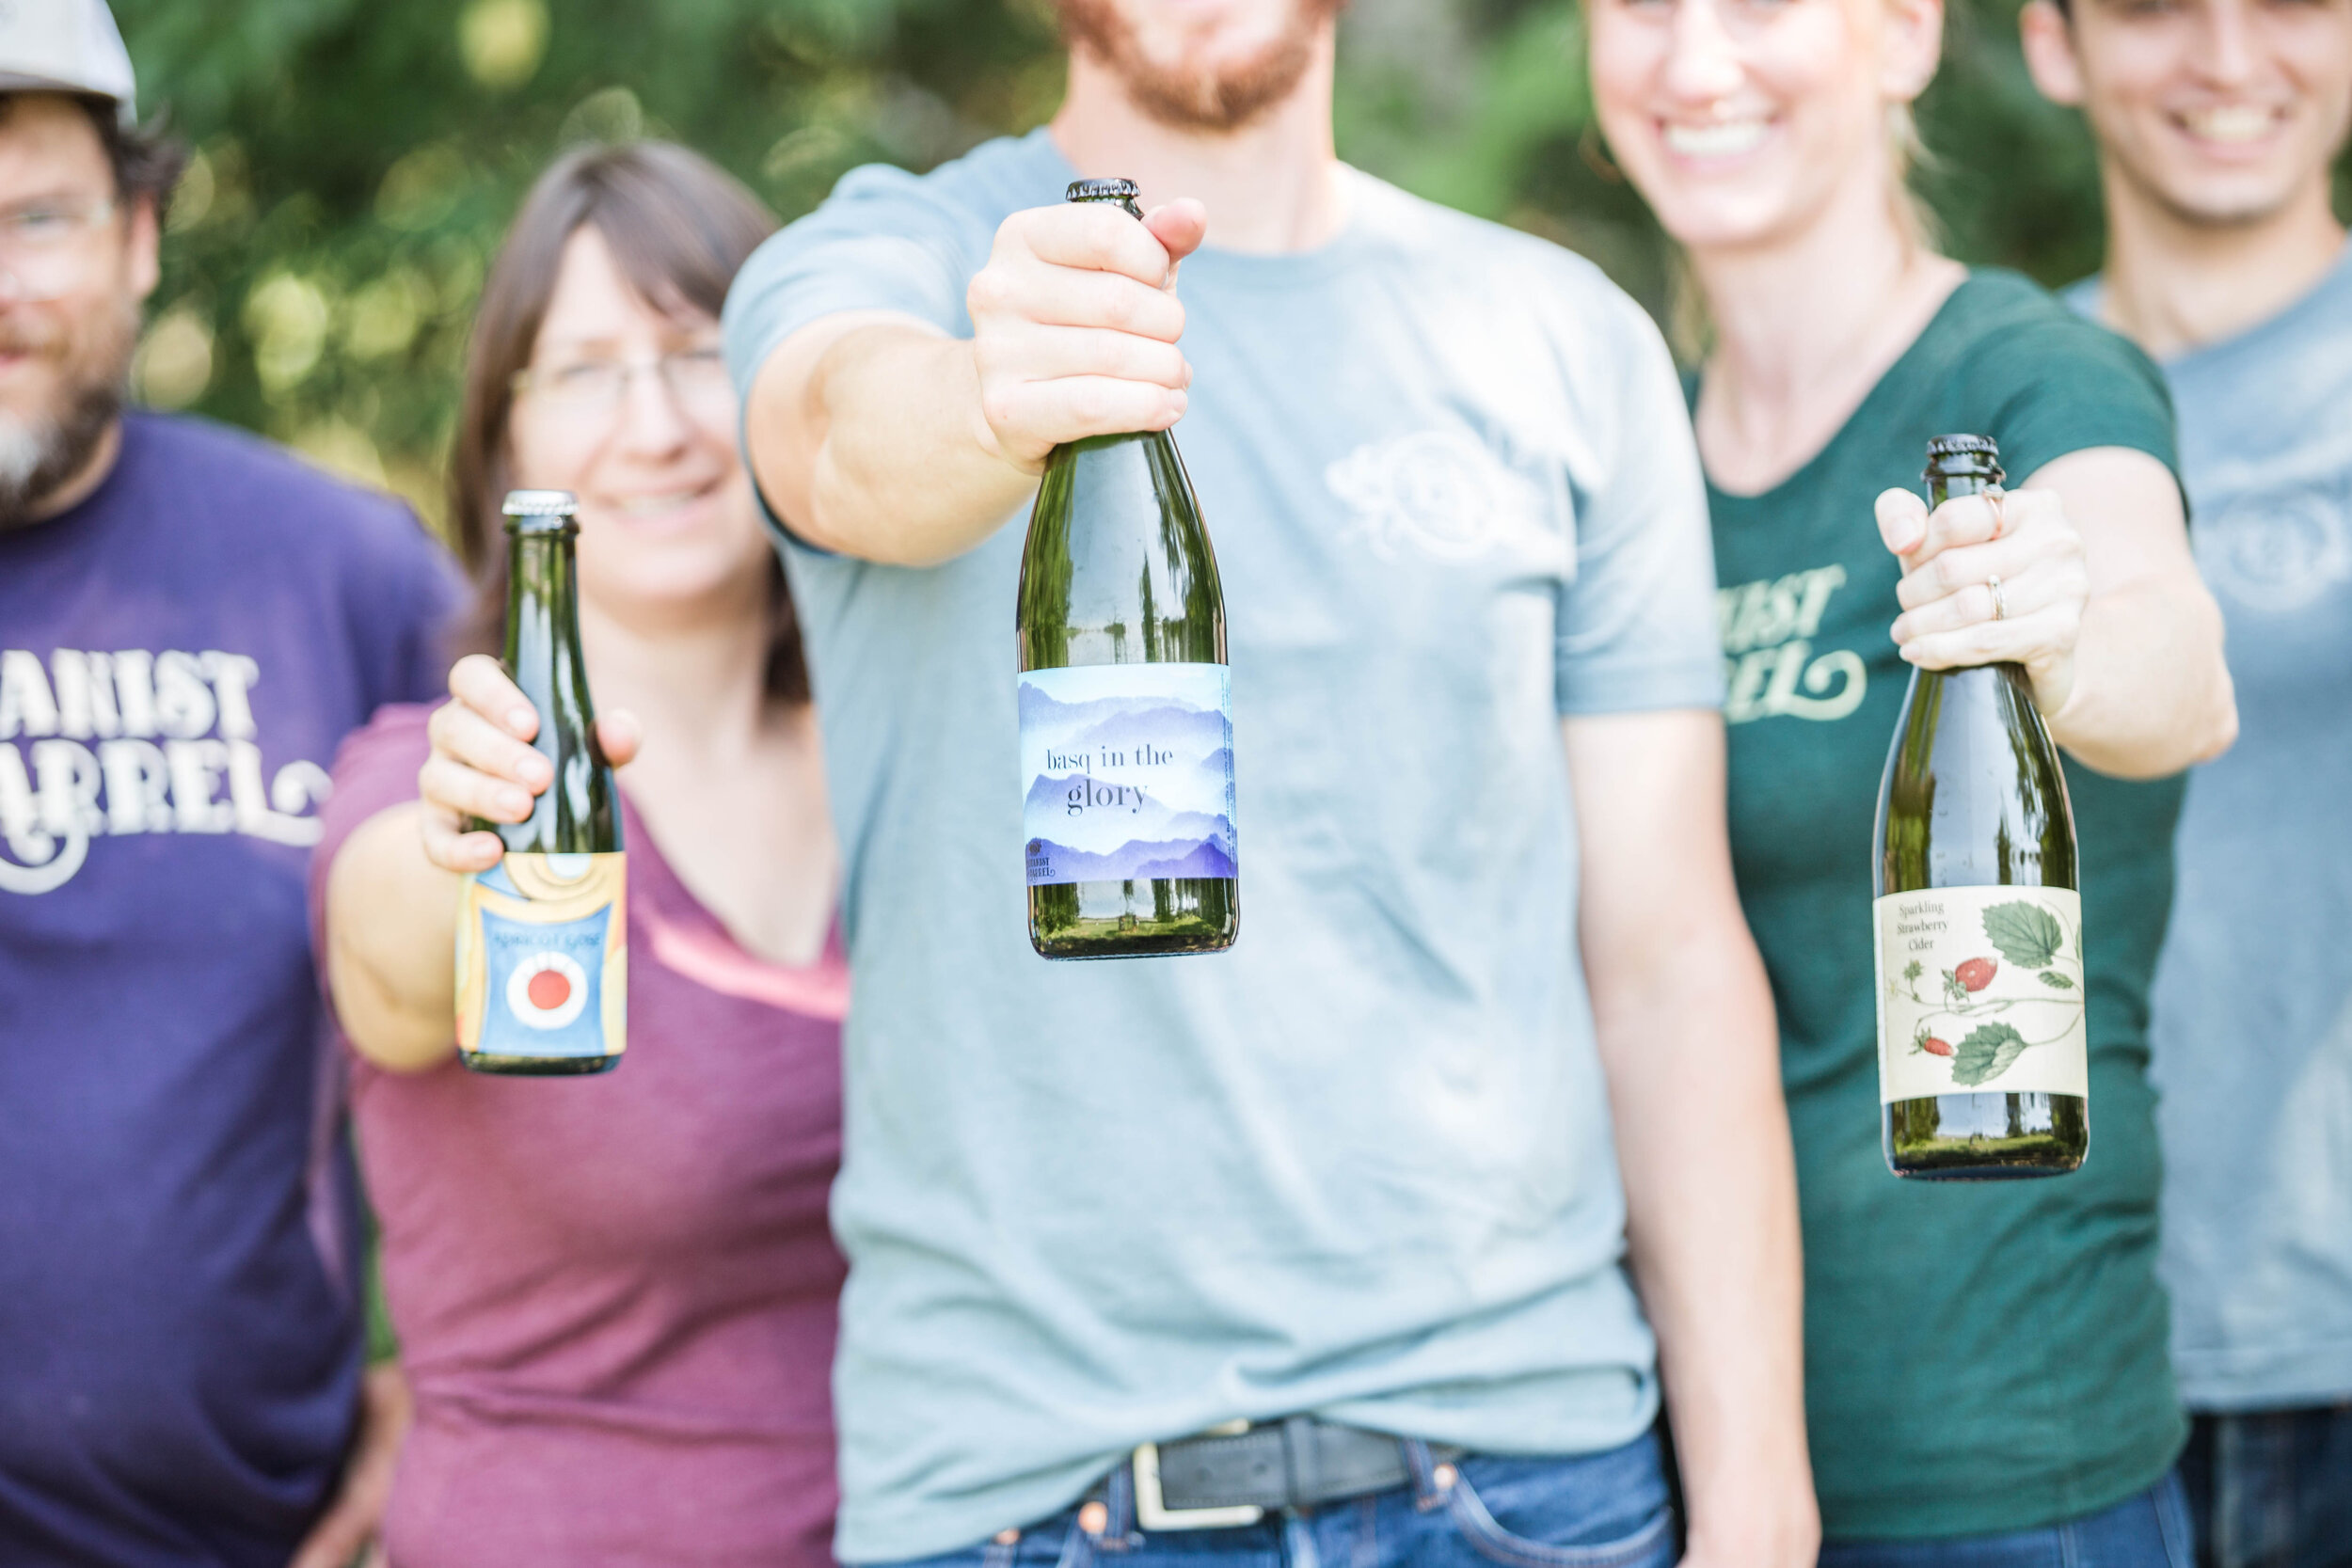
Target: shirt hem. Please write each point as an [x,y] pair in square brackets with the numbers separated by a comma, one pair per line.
[1913,1516]
[918,1531]
[2263,1377]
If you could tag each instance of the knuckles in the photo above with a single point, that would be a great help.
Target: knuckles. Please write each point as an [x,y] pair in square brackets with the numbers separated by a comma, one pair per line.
[990,291]
[1001,408]
[1089,405]
[1121,310]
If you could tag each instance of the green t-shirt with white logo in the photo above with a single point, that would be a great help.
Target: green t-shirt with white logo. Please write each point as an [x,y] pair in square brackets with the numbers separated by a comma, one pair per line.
[1979,1356]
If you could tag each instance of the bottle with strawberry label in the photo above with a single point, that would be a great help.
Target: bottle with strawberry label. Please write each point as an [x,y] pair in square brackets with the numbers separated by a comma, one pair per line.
[1983,1057]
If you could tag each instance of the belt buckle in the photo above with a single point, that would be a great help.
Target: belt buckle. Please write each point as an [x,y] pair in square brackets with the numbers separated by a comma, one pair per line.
[1152,1509]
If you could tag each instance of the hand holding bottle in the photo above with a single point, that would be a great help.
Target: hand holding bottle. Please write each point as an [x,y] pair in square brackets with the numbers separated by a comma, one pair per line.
[1120,612]
[1990,577]
[1074,325]
[483,767]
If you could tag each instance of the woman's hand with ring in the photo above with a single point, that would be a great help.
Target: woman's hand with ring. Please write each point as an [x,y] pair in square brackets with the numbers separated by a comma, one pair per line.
[1952,614]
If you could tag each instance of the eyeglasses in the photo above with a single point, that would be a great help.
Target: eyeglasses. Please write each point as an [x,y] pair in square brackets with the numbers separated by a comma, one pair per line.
[40,245]
[696,377]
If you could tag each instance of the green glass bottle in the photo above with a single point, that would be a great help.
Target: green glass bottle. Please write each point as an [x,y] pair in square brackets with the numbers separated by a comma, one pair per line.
[1125,701]
[1983,1065]
[543,936]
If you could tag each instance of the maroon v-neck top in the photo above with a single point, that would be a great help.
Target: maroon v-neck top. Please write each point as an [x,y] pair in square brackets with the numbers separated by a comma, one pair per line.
[616,1294]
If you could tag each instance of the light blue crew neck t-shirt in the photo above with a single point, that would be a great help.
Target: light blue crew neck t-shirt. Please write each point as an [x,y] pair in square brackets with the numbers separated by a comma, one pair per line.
[2253,1027]
[1361,1165]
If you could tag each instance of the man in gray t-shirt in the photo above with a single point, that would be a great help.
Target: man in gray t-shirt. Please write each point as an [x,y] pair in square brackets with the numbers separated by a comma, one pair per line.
[1352,1183]
[2219,122]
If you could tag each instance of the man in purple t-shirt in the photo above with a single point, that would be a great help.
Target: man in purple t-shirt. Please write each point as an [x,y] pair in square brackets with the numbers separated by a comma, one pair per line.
[189,621]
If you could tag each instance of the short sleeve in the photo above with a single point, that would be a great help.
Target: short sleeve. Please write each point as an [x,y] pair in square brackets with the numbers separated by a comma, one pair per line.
[2059,384]
[880,242]
[435,596]
[1637,625]
[375,768]
[400,595]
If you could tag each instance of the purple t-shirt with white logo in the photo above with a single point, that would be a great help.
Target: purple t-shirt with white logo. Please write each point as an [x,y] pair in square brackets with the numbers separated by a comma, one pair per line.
[180,654]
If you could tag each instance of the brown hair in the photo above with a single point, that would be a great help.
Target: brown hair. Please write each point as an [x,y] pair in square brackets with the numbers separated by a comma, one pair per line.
[145,160]
[679,228]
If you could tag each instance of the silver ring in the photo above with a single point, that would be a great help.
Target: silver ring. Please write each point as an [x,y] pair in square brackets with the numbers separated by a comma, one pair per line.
[2000,603]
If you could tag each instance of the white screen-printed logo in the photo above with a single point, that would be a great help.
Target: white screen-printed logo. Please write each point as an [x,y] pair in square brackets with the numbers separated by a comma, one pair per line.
[2279,553]
[1441,494]
[108,744]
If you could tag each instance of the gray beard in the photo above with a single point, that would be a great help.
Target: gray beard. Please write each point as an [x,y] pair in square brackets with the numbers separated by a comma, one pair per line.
[38,455]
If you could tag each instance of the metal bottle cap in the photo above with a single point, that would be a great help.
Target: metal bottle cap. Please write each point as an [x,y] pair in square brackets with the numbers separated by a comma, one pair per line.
[540,511]
[1964,457]
[540,503]
[1101,190]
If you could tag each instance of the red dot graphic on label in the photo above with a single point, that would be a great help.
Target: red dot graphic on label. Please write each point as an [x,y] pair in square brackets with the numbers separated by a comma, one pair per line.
[548,991]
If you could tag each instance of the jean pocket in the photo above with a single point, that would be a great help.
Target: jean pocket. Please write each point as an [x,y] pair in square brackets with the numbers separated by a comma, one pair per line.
[1533,1514]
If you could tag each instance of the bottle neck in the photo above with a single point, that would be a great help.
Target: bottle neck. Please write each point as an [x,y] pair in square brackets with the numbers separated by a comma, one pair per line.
[544,657]
[542,601]
[1944,487]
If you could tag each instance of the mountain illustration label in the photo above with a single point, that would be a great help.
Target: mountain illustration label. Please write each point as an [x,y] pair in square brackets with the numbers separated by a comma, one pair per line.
[1127,772]
[1980,990]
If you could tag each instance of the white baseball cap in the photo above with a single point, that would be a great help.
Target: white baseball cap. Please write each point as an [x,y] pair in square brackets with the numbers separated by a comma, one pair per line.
[66,46]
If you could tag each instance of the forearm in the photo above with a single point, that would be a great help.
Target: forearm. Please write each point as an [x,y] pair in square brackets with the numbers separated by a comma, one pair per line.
[391,925]
[2152,691]
[886,455]
[1711,1223]
[1684,1016]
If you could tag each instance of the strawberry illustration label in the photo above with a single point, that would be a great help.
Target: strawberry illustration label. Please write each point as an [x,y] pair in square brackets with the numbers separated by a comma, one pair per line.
[542,956]
[1980,990]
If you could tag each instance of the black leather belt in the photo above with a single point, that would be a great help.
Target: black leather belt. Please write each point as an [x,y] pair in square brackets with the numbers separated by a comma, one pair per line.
[1231,1476]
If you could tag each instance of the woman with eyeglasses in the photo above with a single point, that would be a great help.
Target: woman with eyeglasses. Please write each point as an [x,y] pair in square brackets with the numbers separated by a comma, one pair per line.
[1985,1362]
[615,1295]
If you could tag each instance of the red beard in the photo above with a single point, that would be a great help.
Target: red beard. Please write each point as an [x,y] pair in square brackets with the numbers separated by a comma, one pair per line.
[1198,100]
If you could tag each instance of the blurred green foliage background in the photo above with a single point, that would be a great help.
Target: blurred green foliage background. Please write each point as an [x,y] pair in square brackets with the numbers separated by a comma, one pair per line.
[356,160]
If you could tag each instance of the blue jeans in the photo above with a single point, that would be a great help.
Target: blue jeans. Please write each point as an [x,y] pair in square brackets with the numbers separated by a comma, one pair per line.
[1485,1510]
[2272,1488]
[2150,1530]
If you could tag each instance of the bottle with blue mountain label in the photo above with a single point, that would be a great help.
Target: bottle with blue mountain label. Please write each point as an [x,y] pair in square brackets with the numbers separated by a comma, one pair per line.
[543,936]
[1125,701]
[1983,1059]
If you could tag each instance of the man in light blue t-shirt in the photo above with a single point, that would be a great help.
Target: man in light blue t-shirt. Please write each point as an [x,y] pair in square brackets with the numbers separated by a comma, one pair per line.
[1352,1185]
[2218,123]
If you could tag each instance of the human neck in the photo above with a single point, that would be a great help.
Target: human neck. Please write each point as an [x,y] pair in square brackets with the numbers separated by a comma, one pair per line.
[1804,326]
[694,678]
[1272,186]
[2173,285]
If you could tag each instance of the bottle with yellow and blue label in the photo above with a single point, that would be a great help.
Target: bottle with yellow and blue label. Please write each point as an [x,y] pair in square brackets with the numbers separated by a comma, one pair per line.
[543,936]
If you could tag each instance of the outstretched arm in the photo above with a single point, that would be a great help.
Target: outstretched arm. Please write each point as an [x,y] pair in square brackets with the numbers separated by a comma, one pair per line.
[392,894]
[2100,601]
[1687,1041]
[875,435]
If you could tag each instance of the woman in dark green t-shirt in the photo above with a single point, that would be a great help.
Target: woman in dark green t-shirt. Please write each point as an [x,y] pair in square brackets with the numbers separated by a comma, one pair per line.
[1983,1360]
